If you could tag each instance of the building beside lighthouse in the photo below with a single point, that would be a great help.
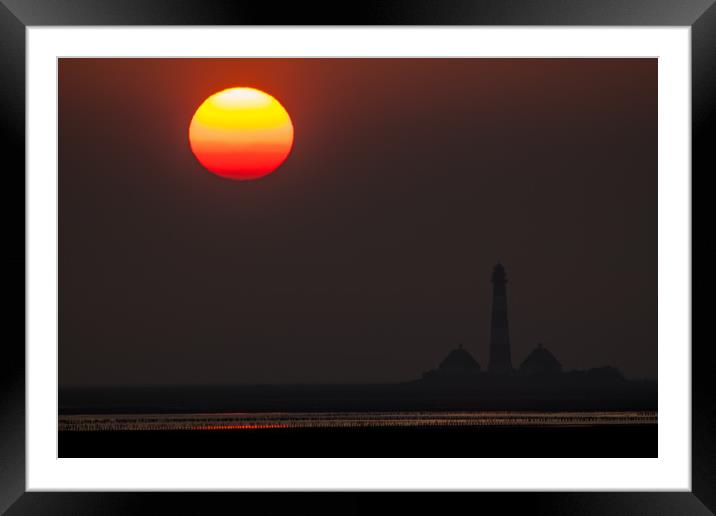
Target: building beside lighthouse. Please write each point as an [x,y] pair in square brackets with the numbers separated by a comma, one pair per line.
[540,361]
[459,364]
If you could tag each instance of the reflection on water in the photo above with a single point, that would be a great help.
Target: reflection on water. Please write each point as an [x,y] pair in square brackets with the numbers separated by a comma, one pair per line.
[264,420]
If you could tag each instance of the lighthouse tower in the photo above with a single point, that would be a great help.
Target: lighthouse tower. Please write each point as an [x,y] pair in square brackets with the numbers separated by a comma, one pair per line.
[500,360]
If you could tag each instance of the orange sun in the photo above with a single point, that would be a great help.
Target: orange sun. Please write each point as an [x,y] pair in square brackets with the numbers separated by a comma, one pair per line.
[241,133]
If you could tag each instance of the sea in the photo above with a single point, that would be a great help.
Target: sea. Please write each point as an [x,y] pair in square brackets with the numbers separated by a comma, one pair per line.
[355,420]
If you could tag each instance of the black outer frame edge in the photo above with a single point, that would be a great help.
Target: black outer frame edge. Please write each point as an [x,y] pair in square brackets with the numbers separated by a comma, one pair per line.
[703,356]
[701,14]
[12,147]
[553,504]
[367,12]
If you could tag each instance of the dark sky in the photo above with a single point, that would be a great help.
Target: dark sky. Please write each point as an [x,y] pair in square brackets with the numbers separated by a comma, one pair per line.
[367,256]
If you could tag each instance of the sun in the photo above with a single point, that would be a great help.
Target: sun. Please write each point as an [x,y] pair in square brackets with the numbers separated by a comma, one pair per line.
[241,133]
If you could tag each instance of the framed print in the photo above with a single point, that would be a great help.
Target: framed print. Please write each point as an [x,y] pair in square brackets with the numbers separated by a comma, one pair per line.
[417,249]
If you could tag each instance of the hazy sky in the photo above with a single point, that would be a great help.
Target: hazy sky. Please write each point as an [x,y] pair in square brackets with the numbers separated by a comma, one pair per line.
[367,256]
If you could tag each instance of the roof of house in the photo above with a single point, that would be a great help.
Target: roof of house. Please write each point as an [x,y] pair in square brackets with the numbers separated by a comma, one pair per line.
[459,359]
[540,359]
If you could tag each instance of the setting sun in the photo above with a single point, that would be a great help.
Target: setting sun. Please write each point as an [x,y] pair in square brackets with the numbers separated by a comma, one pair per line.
[241,133]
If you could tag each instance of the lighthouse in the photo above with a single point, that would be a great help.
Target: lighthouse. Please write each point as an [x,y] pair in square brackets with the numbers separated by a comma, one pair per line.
[500,360]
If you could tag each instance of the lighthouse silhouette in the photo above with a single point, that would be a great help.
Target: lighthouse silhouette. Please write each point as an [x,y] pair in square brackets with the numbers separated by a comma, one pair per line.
[500,360]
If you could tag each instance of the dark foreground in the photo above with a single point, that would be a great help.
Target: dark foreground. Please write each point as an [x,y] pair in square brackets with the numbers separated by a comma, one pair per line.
[588,441]
[564,392]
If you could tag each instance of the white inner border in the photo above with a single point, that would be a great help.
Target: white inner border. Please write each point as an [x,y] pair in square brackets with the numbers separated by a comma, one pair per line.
[671,470]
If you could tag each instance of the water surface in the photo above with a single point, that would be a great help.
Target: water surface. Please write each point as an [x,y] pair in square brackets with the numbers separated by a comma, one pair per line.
[317,420]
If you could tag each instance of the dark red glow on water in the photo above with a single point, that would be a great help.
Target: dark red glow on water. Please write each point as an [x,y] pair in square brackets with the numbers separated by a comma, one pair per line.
[237,427]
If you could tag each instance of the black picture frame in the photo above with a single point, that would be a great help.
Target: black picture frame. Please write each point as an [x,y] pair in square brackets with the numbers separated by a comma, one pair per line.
[17,15]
